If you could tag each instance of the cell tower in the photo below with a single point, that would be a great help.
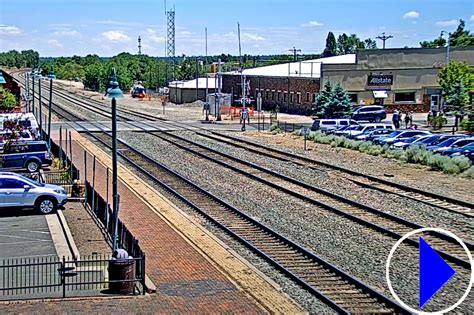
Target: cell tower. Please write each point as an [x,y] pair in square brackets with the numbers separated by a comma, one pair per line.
[170,39]
[139,45]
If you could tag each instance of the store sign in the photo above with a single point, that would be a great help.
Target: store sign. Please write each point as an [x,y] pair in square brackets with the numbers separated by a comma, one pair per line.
[380,79]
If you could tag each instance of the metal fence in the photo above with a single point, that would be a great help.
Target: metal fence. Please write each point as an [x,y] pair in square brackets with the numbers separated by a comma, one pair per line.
[41,277]
[289,127]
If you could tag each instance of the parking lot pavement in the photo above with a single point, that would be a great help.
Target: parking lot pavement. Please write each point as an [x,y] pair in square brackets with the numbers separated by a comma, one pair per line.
[24,234]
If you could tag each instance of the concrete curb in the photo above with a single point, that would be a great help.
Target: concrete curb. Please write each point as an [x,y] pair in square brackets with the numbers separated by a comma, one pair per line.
[68,235]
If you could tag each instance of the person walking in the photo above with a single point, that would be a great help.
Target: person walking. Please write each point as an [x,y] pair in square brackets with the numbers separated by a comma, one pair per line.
[407,120]
[396,119]
[410,119]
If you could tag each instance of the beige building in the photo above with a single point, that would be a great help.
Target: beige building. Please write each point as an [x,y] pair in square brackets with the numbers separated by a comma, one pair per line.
[398,78]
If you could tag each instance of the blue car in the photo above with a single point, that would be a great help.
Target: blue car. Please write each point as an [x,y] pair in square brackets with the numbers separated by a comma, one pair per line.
[467,150]
[393,134]
[453,148]
[446,141]
[30,155]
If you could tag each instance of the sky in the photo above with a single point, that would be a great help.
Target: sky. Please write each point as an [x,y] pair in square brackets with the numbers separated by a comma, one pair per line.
[80,27]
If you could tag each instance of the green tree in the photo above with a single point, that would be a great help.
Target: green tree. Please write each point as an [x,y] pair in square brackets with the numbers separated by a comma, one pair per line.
[7,99]
[436,43]
[331,46]
[459,38]
[332,102]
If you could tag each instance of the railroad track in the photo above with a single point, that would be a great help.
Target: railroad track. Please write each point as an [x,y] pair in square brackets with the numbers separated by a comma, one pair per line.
[444,202]
[373,218]
[339,290]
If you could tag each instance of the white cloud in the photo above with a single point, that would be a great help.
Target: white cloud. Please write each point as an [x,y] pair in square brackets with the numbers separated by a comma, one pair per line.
[9,30]
[472,18]
[67,33]
[153,36]
[252,37]
[312,24]
[411,15]
[116,36]
[54,43]
[447,23]
[186,33]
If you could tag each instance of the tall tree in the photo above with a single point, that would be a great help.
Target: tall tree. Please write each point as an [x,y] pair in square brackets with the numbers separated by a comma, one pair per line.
[331,46]
[332,102]
[459,38]
[456,79]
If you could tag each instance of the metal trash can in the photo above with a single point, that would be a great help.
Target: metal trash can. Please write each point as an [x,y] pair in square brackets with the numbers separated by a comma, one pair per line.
[121,273]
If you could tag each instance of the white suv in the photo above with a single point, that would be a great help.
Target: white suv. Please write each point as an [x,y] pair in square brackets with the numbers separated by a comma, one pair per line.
[17,191]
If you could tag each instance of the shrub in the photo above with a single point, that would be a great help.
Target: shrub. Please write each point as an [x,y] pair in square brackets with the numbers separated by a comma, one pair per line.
[437,161]
[468,125]
[469,173]
[375,150]
[451,167]
[364,146]
[462,162]
[438,122]
[274,127]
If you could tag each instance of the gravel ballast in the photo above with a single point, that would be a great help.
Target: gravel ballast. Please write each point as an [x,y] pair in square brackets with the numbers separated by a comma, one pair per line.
[356,249]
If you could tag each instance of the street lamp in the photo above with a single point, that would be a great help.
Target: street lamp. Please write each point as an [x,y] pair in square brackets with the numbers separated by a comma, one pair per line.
[113,91]
[448,46]
[51,77]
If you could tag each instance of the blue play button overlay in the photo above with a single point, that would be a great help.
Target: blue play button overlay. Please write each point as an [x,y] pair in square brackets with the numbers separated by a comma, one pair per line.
[434,272]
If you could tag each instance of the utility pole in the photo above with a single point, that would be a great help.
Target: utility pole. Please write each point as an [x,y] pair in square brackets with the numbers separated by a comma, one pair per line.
[139,45]
[240,47]
[384,38]
[448,46]
[295,51]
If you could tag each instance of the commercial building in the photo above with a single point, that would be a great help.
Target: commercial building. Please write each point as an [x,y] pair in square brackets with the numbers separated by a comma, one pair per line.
[397,78]
[404,79]
[291,86]
[189,91]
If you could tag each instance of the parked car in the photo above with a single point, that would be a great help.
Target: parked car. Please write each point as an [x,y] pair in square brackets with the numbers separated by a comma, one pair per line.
[405,143]
[331,124]
[31,155]
[421,141]
[454,146]
[369,113]
[24,135]
[445,141]
[405,134]
[17,191]
[338,130]
[467,150]
[348,130]
[368,128]
[375,134]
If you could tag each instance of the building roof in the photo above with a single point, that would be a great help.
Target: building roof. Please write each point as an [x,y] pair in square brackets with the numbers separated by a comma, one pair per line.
[305,69]
[191,84]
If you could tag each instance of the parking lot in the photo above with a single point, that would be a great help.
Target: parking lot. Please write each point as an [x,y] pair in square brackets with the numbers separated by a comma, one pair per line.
[24,234]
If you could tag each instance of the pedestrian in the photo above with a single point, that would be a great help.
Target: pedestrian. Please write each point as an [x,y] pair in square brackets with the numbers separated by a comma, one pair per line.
[407,120]
[396,119]
[410,117]
[428,118]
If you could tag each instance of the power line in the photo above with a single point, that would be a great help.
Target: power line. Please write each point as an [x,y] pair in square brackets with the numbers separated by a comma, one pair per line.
[295,51]
[383,38]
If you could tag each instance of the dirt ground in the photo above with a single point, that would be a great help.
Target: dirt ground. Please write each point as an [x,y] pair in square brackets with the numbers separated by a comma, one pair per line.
[410,174]
[87,235]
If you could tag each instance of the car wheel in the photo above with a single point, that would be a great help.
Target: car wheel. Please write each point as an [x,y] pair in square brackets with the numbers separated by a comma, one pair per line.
[377,120]
[46,206]
[32,166]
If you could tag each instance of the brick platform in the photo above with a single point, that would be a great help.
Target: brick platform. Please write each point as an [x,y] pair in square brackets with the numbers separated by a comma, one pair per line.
[192,270]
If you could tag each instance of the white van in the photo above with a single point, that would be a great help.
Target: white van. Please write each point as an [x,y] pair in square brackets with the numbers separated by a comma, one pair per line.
[326,125]
[368,128]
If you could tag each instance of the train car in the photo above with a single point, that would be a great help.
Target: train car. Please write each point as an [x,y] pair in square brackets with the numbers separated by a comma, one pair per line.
[138,91]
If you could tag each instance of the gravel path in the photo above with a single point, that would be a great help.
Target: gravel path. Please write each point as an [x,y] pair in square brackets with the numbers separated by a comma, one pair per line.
[410,209]
[409,174]
[354,248]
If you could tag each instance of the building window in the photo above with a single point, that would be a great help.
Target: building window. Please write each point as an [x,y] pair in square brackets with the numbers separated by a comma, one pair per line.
[292,97]
[298,98]
[307,97]
[314,97]
[279,96]
[353,98]
[256,93]
[285,96]
[273,95]
[405,97]
[267,94]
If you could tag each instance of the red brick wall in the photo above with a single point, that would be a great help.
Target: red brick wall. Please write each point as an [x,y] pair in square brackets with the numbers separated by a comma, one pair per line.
[231,83]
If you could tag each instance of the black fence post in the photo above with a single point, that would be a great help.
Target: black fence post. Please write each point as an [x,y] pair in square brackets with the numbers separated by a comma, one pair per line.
[63,276]
[70,149]
[85,176]
[93,185]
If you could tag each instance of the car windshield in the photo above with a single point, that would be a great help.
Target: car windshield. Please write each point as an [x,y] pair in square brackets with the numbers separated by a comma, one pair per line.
[448,142]
[469,146]
[427,139]
[30,181]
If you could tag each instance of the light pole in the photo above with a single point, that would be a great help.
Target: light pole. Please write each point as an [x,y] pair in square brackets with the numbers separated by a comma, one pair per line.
[448,46]
[40,112]
[113,91]
[51,77]
[33,84]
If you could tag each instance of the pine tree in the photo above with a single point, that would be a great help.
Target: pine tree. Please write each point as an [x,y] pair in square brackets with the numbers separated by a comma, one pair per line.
[332,102]
[331,46]
[322,100]
[341,102]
